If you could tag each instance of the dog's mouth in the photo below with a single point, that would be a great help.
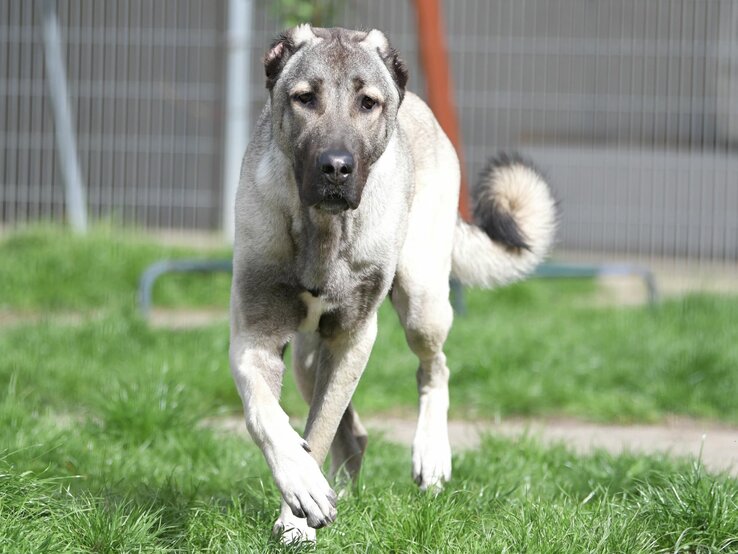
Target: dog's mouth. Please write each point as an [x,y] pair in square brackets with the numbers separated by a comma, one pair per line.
[329,198]
[333,204]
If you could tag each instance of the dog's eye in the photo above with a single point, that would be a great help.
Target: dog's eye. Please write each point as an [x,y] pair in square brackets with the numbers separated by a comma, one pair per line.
[306,98]
[368,103]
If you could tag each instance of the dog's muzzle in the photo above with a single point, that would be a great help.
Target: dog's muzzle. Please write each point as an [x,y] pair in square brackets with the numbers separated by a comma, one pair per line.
[335,168]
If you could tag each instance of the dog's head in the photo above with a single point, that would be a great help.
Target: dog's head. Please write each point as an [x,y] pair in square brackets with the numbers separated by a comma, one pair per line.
[335,95]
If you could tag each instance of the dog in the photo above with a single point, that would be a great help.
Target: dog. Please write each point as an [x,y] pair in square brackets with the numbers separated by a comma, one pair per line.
[348,193]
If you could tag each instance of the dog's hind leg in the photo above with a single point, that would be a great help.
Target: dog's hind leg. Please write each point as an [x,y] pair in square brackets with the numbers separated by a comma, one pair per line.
[426,316]
[420,296]
[347,449]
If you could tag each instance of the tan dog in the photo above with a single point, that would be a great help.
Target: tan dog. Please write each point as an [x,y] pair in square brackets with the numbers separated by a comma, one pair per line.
[348,193]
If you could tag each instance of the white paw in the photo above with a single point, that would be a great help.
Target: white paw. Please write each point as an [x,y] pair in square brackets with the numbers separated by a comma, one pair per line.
[302,484]
[291,529]
[431,459]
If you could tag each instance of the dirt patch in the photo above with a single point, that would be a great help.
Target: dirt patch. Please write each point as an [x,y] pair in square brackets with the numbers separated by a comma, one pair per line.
[12,318]
[159,318]
[186,319]
[716,444]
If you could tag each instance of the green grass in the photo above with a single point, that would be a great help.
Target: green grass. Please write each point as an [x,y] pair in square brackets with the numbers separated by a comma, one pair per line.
[539,348]
[51,270]
[102,447]
[99,484]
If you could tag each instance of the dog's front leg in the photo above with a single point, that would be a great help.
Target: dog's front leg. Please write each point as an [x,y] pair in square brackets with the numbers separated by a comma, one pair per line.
[257,370]
[342,360]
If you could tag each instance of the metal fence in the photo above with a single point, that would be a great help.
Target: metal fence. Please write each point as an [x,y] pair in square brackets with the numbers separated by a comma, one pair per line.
[145,90]
[630,107]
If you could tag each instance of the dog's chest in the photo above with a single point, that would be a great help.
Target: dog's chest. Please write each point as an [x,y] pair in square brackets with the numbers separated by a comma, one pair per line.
[342,280]
[316,306]
[344,308]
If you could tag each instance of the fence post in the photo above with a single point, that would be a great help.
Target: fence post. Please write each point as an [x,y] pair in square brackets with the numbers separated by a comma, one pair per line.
[434,58]
[238,104]
[63,128]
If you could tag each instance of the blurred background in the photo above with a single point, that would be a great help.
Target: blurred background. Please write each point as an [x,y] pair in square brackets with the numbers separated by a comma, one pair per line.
[630,108]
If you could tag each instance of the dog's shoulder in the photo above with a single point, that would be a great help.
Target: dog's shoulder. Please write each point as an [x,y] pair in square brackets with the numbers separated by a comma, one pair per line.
[424,137]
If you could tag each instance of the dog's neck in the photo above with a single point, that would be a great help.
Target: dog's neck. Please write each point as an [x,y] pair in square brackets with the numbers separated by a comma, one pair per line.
[323,247]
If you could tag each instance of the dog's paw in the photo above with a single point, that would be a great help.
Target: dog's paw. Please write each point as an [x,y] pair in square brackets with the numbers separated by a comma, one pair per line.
[303,486]
[292,530]
[431,461]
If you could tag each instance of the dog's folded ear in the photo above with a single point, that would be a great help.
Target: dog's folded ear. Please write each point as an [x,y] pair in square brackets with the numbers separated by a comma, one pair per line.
[397,68]
[283,48]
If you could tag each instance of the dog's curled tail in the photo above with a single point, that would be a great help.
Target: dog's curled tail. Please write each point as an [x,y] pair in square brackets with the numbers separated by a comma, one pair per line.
[515,216]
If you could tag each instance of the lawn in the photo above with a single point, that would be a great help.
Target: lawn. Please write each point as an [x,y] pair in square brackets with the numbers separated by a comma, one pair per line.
[541,348]
[102,447]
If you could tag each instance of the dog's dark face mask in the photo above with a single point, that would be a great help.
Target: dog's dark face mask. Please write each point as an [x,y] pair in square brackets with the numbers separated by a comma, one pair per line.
[335,96]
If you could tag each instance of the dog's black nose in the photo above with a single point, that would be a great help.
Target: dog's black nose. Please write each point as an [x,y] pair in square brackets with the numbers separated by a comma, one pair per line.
[336,165]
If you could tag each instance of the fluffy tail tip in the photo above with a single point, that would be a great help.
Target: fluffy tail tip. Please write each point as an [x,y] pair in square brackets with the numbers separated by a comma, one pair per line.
[514,206]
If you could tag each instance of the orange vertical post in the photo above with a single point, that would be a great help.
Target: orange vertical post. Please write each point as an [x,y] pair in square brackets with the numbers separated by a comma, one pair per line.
[434,58]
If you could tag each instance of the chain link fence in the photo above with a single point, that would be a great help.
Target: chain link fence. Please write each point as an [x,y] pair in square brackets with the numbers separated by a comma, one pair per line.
[630,107]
